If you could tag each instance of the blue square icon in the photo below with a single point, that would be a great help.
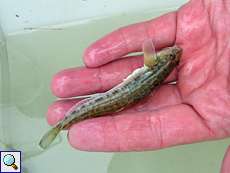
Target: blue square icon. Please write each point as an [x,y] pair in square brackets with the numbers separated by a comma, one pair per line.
[10,161]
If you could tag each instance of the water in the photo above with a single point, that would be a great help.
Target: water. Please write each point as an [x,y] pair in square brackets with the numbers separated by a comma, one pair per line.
[12,120]
[5,91]
[27,66]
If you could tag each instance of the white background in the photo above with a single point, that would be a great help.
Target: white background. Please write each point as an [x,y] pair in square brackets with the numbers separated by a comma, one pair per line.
[16,15]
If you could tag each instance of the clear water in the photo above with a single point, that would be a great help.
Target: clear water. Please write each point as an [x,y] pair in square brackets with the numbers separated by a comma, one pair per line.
[27,66]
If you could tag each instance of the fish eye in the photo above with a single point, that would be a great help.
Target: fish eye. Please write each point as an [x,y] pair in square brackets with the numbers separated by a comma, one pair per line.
[171,56]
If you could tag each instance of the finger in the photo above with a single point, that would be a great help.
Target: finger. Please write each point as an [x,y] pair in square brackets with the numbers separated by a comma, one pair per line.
[164,96]
[82,81]
[166,127]
[57,110]
[226,162]
[130,38]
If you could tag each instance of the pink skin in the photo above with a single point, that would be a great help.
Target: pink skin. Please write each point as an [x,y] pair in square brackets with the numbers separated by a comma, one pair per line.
[226,162]
[196,109]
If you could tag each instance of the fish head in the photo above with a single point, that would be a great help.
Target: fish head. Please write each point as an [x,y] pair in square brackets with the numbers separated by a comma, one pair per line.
[152,58]
[172,54]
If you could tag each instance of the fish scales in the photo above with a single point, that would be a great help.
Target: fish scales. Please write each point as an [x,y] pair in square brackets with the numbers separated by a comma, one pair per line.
[135,87]
[118,98]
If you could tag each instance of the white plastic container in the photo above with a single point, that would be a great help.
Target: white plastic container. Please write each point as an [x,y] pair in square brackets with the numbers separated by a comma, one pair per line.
[42,37]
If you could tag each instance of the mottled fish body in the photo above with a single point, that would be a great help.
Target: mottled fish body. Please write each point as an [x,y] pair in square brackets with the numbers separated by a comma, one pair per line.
[134,88]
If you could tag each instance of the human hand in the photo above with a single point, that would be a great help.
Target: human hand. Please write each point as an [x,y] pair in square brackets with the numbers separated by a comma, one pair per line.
[226,162]
[196,109]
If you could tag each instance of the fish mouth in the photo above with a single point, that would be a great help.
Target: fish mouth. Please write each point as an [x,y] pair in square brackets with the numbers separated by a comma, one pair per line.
[177,51]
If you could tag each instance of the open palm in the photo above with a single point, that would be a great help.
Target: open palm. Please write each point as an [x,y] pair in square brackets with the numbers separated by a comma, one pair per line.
[197,108]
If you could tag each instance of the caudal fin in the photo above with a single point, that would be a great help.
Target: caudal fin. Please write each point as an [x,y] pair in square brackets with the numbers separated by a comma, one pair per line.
[49,137]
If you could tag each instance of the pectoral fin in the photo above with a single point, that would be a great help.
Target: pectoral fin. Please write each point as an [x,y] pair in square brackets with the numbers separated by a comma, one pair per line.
[81,97]
[150,56]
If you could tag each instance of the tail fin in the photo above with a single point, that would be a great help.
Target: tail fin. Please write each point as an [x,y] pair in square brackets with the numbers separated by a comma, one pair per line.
[49,137]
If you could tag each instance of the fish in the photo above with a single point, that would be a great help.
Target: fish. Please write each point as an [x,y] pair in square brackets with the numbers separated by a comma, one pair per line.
[139,84]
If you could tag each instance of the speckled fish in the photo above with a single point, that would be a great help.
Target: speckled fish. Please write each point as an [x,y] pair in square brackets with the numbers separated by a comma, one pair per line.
[157,66]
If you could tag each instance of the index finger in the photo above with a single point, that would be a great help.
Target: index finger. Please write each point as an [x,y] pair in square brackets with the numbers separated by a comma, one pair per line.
[120,42]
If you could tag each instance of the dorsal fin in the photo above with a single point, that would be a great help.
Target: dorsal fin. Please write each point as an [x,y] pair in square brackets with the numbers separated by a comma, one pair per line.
[150,57]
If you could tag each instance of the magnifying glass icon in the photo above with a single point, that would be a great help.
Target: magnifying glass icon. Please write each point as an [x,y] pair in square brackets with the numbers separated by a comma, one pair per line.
[9,160]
